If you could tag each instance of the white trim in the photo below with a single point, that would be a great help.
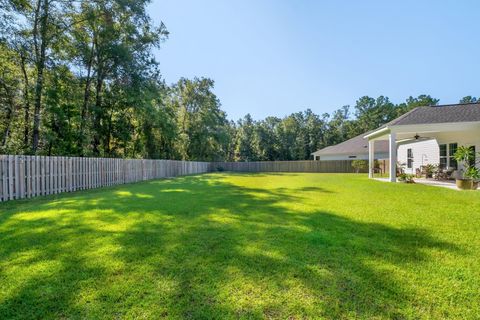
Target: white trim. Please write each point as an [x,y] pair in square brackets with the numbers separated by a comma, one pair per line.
[377,133]
[371,158]
[424,128]
[393,156]
[435,127]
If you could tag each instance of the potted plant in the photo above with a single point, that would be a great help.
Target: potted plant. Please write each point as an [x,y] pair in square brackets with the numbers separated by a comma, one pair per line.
[471,174]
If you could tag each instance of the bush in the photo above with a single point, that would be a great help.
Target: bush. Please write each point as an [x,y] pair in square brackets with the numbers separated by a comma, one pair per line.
[359,165]
[220,169]
[406,177]
[430,170]
[472,173]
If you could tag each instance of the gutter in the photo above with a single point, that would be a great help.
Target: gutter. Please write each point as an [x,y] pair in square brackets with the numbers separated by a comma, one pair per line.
[376,133]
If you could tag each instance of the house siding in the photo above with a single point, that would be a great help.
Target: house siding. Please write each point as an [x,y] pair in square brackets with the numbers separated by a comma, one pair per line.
[362,156]
[462,139]
[424,152]
[428,152]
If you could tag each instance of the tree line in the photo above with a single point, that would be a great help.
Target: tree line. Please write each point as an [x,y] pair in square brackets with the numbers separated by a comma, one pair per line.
[79,78]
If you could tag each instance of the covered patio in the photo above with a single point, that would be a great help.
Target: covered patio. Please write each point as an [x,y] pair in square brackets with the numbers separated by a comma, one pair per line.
[448,126]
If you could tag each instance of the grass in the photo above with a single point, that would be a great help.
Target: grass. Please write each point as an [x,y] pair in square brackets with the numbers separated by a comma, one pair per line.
[243,246]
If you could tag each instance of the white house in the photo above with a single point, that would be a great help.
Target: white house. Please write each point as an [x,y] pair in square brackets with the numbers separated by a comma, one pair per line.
[427,135]
[414,155]
[357,149]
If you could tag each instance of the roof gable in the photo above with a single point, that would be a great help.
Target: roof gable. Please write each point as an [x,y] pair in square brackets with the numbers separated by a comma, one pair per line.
[354,146]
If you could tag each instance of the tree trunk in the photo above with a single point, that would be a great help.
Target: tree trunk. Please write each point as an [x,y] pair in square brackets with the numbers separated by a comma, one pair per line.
[40,65]
[97,117]
[108,135]
[86,98]
[26,97]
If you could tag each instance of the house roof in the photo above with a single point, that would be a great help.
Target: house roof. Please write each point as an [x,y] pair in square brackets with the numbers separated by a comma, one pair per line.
[354,146]
[449,113]
[452,113]
[467,112]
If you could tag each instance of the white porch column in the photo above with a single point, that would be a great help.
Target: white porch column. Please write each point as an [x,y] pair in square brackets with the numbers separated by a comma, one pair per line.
[393,156]
[371,158]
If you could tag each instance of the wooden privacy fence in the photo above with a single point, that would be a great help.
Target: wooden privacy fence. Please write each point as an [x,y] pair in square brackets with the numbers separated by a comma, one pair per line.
[334,166]
[32,176]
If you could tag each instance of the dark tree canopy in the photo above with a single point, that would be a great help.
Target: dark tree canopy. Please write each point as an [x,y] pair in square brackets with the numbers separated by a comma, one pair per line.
[469,99]
[79,78]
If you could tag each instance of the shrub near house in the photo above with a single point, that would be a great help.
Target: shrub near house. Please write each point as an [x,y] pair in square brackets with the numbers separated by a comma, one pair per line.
[359,165]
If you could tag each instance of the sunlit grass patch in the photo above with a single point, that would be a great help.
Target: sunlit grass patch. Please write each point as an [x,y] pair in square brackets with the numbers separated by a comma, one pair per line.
[243,246]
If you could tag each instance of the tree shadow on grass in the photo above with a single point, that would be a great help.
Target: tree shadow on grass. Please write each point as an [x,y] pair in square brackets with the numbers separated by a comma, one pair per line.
[201,247]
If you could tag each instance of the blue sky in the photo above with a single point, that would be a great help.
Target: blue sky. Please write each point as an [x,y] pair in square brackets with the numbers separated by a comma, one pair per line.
[275,57]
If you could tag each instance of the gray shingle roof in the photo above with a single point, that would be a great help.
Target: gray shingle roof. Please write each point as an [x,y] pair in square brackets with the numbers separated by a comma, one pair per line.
[357,145]
[468,112]
[440,114]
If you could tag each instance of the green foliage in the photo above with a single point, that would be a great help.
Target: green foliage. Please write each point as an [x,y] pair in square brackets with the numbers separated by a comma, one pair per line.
[469,99]
[430,169]
[372,113]
[10,99]
[252,246]
[406,177]
[422,100]
[359,165]
[80,79]
[244,149]
[202,126]
[87,82]
[472,173]
[466,156]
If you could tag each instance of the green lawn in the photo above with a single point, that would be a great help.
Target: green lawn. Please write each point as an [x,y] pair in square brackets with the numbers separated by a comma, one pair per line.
[244,246]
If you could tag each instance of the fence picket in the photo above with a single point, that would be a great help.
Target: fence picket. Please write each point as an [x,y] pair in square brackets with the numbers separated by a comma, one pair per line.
[334,166]
[21,177]
[3,175]
[10,177]
[31,176]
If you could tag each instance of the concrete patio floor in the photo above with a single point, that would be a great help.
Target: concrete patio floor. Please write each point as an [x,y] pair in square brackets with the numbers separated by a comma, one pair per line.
[450,184]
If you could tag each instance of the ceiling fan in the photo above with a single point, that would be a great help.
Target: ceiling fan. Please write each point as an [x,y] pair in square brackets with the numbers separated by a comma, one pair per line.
[416,137]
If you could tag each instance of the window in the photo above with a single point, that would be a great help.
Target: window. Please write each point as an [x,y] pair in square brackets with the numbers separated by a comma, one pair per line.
[409,158]
[443,155]
[452,148]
